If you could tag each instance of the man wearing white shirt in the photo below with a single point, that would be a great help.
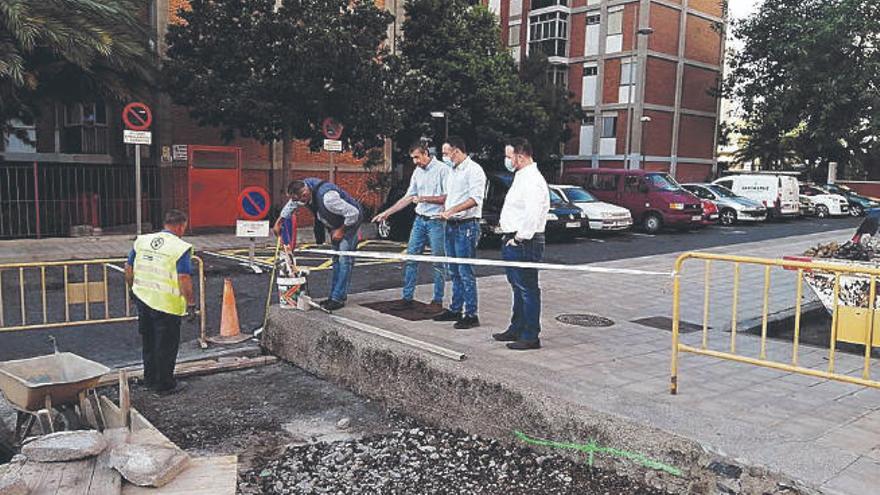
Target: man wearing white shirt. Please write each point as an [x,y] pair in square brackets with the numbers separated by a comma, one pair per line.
[463,208]
[523,219]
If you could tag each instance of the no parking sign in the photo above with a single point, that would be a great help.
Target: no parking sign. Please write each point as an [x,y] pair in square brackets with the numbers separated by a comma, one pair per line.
[253,203]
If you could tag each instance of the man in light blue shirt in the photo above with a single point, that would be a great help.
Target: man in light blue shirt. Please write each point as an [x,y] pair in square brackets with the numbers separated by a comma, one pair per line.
[427,189]
[465,188]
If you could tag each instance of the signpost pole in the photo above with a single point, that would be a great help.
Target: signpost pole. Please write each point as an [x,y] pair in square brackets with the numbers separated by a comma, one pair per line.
[137,185]
[251,251]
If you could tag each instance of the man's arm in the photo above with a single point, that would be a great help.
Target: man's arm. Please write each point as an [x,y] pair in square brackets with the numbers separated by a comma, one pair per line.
[129,275]
[399,205]
[186,288]
[465,205]
[437,200]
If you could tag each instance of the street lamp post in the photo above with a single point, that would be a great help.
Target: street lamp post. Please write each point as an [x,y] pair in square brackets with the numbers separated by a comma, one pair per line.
[645,31]
[644,120]
[445,116]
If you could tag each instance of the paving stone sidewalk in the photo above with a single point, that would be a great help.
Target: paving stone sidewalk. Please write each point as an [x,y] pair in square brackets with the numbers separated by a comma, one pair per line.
[822,432]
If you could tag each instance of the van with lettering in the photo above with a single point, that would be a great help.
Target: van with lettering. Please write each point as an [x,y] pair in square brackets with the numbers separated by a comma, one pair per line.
[778,192]
[654,199]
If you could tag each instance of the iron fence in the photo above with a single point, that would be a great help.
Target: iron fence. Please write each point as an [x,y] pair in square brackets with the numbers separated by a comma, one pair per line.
[52,199]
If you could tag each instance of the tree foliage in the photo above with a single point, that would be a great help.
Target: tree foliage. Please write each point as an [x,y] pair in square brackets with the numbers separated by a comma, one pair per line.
[271,72]
[68,50]
[808,81]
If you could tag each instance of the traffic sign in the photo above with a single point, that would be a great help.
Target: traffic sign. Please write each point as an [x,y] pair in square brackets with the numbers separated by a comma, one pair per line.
[137,137]
[252,228]
[331,128]
[332,145]
[253,203]
[137,116]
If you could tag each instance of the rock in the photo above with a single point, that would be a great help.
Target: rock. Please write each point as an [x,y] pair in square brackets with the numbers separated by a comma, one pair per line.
[11,482]
[148,465]
[343,423]
[65,446]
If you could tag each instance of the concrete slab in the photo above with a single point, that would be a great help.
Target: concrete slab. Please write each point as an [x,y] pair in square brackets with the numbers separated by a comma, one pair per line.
[611,384]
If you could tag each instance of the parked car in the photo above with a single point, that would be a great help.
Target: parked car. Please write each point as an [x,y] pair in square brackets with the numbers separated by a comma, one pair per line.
[825,204]
[807,207]
[397,226]
[858,203]
[601,216]
[777,192]
[732,208]
[710,212]
[564,219]
[654,199]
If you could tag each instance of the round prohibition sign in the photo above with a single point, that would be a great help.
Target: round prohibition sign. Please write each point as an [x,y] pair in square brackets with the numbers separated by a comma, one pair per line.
[137,116]
[253,203]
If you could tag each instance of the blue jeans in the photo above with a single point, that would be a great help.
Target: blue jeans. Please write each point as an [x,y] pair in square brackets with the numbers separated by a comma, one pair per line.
[424,232]
[461,242]
[526,320]
[342,265]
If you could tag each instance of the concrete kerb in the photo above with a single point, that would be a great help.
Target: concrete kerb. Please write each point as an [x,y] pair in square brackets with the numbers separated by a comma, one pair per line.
[449,394]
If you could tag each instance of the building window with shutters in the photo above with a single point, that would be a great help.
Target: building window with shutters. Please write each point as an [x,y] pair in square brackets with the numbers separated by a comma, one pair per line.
[548,34]
[83,128]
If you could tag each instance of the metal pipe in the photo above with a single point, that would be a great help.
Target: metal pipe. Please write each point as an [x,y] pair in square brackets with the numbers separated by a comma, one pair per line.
[869,333]
[37,198]
[2,319]
[21,292]
[797,317]
[66,296]
[706,281]
[41,326]
[676,315]
[765,312]
[106,295]
[734,308]
[43,291]
[203,309]
[86,285]
[835,320]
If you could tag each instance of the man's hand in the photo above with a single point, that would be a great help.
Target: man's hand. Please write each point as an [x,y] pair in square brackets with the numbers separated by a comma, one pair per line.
[191,313]
[446,214]
[338,234]
[512,242]
[417,200]
[381,217]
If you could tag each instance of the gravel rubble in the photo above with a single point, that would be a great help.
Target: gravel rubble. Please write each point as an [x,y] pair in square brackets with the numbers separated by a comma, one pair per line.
[421,460]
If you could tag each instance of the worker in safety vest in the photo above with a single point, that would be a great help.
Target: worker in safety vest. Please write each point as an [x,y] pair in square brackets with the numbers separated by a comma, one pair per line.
[159,273]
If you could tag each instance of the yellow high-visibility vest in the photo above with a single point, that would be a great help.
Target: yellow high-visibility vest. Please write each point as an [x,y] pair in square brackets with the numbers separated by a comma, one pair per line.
[155,272]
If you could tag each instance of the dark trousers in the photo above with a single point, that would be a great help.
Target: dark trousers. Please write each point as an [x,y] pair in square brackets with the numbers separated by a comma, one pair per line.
[525,322]
[160,335]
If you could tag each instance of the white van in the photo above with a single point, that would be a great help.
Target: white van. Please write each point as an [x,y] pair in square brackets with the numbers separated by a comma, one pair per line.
[779,193]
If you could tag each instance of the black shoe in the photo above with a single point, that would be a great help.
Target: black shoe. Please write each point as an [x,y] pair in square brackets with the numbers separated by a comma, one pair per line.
[467,323]
[524,345]
[332,305]
[447,315]
[507,336]
[173,390]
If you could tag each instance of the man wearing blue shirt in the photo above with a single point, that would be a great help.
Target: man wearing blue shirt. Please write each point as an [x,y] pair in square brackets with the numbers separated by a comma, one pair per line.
[159,273]
[427,189]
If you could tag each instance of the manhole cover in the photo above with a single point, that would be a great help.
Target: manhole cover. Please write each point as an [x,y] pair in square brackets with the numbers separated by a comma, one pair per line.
[585,320]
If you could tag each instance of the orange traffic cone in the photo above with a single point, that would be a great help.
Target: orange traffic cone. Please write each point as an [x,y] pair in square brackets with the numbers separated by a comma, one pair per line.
[230,330]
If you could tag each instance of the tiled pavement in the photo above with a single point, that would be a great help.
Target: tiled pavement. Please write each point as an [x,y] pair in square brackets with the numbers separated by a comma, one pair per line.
[822,432]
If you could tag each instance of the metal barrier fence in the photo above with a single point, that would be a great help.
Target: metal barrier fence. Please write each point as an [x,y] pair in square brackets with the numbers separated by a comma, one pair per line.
[81,289]
[48,199]
[853,323]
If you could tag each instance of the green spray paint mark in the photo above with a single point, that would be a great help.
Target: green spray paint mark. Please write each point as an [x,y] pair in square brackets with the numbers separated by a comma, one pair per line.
[592,448]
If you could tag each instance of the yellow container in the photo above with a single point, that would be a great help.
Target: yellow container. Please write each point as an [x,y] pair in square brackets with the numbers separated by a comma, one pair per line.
[852,325]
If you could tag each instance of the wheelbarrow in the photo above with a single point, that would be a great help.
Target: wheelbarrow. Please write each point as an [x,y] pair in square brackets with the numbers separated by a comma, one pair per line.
[56,391]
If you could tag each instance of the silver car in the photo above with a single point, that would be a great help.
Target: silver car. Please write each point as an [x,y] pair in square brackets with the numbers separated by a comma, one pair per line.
[731,208]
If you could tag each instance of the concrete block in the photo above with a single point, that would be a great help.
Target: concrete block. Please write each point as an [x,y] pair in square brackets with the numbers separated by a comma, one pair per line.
[65,446]
[11,482]
[148,465]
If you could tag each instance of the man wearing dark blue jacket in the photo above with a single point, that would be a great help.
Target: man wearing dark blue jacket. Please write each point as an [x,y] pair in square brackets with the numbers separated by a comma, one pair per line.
[342,215]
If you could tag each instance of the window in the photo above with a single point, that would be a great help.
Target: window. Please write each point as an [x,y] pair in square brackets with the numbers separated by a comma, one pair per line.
[589,120]
[15,144]
[632,183]
[602,182]
[615,22]
[593,19]
[548,33]
[627,73]
[662,182]
[84,128]
[578,195]
[558,75]
[591,70]
[540,4]
[700,192]
[609,127]
[728,184]
[513,35]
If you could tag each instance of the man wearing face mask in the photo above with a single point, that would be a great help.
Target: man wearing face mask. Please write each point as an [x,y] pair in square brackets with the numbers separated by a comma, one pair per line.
[523,219]
[465,188]
[341,215]
[427,189]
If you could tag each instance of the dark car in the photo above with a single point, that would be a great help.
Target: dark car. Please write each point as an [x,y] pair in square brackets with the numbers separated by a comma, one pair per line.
[858,204]
[564,219]
[398,225]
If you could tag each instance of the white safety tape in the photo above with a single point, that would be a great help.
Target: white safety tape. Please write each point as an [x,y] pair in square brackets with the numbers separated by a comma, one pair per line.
[486,262]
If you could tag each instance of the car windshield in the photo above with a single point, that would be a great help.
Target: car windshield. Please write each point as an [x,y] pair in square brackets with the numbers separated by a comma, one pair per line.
[578,195]
[722,191]
[554,198]
[662,182]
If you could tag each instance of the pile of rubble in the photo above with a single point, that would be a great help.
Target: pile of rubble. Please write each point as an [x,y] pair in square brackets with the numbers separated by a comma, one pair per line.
[427,460]
[848,251]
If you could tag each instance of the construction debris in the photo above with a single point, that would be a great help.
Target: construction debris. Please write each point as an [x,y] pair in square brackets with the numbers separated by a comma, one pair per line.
[65,446]
[148,465]
[848,251]
[11,482]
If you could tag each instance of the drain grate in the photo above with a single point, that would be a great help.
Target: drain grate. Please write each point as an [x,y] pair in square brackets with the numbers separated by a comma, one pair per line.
[585,320]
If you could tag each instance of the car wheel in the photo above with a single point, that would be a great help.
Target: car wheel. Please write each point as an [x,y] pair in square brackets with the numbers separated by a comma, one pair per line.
[727,217]
[653,223]
[856,210]
[822,211]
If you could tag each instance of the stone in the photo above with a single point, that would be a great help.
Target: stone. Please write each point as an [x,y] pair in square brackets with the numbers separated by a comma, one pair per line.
[65,446]
[343,423]
[148,465]
[11,482]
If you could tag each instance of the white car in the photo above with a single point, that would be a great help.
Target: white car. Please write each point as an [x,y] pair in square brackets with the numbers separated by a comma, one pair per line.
[777,192]
[825,203]
[601,216]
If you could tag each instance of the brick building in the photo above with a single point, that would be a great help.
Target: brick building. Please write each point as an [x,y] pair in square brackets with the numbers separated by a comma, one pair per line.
[644,71]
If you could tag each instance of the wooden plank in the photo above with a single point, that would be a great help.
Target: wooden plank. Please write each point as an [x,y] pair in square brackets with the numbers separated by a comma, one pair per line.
[58,478]
[204,476]
[140,426]
[124,398]
[195,368]
[105,479]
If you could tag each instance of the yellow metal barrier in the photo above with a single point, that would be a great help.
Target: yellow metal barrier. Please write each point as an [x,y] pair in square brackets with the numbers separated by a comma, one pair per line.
[85,293]
[849,324]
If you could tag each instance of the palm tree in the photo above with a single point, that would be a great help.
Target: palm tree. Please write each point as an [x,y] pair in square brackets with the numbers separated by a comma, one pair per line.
[67,49]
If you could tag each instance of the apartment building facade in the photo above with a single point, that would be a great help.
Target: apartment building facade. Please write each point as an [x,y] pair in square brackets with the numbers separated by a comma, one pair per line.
[645,72]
